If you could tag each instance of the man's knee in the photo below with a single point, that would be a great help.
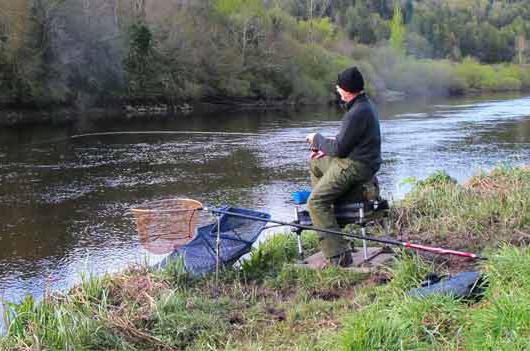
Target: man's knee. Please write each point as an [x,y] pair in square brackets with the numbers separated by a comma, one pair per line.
[314,170]
[311,205]
[319,166]
[316,202]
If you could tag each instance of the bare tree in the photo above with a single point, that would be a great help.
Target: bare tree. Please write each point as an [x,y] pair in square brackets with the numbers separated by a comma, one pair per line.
[520,48]
[15,16]
[316,9]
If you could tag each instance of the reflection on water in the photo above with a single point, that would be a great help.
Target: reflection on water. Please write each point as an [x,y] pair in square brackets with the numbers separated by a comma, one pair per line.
[65,204]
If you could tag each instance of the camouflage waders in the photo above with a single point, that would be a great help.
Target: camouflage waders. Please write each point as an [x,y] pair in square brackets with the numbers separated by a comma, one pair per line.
[332,178]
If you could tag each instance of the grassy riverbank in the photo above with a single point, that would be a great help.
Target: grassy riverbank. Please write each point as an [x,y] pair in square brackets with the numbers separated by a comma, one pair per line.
[271,304]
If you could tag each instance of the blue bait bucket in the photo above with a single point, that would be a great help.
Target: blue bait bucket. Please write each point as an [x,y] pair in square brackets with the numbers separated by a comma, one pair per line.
[300,197]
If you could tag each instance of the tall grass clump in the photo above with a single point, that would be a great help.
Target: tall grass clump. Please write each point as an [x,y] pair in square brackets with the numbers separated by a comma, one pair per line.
[62,322]
[394,321]
[404,324]
[488,208]
[502,321]
[271,255]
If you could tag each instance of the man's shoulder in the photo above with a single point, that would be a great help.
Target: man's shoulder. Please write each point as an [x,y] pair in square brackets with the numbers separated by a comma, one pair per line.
[362,107]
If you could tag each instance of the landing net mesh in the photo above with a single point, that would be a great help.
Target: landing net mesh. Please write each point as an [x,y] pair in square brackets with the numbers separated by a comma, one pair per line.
[237,235]
[166,225]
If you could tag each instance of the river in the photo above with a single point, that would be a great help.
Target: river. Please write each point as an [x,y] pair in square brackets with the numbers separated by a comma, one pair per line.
[65,203]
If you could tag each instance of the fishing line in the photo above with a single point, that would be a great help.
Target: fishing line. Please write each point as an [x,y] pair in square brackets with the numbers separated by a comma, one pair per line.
[150,132]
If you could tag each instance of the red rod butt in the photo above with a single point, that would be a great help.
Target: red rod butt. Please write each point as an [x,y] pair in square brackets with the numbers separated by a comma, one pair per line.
[441,251]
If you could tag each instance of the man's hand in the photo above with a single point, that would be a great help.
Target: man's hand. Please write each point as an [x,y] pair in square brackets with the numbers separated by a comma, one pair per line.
[315,155]
[309,138]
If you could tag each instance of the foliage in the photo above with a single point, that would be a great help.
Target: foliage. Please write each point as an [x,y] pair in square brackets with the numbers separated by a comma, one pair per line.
[417,77]
[256,51]
[397,29]
[320,30]
[139,65]
[489,78]
[365,26]
[456,31]
[25,49]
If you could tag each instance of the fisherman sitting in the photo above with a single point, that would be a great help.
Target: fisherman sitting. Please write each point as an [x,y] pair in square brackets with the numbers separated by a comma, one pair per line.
[342,163]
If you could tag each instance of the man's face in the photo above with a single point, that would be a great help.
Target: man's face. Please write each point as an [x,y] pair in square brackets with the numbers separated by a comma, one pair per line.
[346,96]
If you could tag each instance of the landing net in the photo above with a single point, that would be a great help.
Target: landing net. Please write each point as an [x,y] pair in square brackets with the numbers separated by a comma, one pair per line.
[237,235]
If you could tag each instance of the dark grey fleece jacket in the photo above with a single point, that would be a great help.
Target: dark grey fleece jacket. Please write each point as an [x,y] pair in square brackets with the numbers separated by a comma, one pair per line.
[360,135]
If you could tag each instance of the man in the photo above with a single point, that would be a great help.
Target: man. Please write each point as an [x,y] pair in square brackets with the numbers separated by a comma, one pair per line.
[339,164]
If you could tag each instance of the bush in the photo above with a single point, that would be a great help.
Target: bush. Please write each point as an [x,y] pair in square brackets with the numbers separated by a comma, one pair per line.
[490,78]
[425,77]
[316,72]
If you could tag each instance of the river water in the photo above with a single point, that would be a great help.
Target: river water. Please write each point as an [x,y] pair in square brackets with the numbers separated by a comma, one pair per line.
[64,203]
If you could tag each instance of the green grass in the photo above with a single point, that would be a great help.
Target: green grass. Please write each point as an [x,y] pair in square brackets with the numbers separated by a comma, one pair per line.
[268,304]
[501,321]
[272,304]
[489,209]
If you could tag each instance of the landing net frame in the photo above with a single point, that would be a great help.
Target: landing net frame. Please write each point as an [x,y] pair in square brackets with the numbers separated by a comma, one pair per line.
[166,225]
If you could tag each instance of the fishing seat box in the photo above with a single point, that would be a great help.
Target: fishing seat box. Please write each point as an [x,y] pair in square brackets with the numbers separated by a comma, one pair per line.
[360,205]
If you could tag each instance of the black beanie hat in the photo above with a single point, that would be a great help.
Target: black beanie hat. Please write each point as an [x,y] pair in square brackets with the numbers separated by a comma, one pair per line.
[351,80]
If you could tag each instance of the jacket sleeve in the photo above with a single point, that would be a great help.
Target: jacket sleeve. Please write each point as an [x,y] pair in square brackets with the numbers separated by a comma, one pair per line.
[354,124]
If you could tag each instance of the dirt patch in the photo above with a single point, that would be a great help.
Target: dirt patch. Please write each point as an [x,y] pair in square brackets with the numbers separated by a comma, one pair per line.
[454,264]
[454,240]
[520,238]
[281,294]
[278,314]
[236,318]
[326,295]
[378,278]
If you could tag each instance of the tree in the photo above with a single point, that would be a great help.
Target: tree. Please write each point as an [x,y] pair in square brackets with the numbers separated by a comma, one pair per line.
[520,47]
[140,63]
[365,26]
[245,18]
[26,48]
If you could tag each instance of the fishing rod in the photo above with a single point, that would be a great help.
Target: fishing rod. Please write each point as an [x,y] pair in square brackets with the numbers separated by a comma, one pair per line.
[408,245]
